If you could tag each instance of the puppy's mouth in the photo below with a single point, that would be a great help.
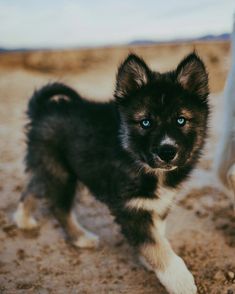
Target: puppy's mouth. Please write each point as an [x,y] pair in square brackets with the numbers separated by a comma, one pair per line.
[165,167]
[156,163]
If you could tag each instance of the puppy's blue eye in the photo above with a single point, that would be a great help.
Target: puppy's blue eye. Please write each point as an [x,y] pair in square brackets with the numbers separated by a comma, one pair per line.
[181,121]
[145,123]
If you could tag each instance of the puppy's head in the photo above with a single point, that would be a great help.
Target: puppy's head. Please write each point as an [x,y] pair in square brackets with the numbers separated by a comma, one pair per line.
[163,116]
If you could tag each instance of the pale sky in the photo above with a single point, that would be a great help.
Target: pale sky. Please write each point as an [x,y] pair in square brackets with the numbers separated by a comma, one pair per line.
[72,23]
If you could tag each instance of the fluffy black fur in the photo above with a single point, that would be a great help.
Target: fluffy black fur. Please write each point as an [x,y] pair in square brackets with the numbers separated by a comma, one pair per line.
[104,145]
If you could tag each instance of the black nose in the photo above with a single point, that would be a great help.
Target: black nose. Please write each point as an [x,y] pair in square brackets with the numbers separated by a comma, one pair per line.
[167,152]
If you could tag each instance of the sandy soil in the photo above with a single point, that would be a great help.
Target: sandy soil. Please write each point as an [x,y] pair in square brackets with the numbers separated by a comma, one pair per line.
[201,227]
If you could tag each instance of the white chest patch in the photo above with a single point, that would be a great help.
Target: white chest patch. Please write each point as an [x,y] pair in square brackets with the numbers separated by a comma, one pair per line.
[159,205]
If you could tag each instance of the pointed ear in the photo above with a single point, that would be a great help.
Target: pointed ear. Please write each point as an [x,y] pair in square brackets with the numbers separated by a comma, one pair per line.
[192,75]
[132,74]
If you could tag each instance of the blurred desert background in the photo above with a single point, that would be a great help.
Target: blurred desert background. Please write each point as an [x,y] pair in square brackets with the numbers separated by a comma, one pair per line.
[201,226]
[81,43]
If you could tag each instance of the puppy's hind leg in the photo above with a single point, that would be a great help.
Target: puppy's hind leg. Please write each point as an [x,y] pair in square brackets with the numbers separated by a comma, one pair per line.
[23,216]
[65,212]
[78,235]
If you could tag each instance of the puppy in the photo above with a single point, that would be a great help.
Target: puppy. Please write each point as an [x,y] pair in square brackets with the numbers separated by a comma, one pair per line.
[132,153]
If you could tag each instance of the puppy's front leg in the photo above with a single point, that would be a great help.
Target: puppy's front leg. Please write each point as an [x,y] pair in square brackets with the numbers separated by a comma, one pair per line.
[143,224]
[170,269]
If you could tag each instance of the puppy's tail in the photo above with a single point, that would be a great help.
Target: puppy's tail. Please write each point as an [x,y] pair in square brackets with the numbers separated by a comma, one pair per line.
[42,98]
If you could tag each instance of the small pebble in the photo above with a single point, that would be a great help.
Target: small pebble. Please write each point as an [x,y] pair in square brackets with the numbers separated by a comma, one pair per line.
[219,276]
[201,213]
[230,275]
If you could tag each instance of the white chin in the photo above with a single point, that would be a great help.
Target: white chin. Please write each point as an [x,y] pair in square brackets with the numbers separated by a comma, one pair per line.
[167,168]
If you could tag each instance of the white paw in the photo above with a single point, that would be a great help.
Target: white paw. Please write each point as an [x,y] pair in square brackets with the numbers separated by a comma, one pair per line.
[176,278]
[87,240]
[22,220]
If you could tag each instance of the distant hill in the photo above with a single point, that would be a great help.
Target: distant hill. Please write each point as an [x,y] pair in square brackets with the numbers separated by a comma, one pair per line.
[138,42]
[2,50]
[221,37]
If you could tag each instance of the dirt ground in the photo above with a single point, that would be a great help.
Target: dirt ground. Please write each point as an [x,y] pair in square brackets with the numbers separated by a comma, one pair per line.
[201,226]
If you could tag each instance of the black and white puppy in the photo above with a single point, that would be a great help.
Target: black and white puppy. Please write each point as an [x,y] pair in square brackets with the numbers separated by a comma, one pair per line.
[132,153]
